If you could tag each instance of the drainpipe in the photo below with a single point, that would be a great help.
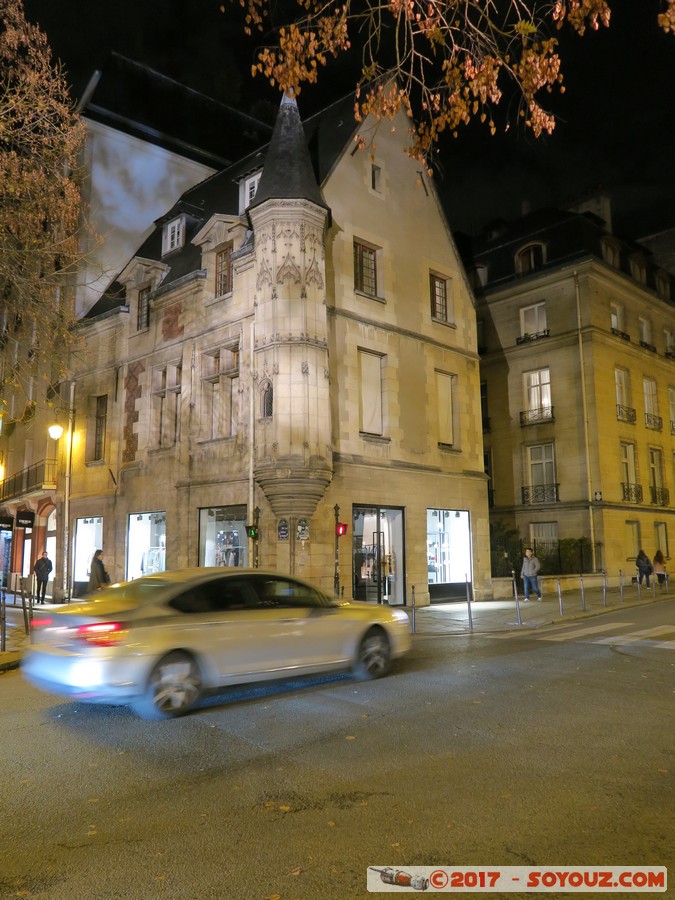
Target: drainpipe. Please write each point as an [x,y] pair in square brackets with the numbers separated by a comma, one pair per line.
[251,440]
[584,403]
[66,498]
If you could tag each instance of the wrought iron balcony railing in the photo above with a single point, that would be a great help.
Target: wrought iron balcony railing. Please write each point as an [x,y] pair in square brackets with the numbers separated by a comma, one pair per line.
[648,346]
[39,477]
[621,334]
[533,416]
[631,492]
[541,493]
[625,413]
[660,496]
[535,336]
[653,422]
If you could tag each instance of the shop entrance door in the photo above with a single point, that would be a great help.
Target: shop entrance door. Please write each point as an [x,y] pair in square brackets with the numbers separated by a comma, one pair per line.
[378,555]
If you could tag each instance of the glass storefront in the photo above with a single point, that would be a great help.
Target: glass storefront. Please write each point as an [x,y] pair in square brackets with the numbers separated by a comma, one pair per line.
[88,539]
[5,556]
[146,542]
[222,536]
[448,553]
[378,554]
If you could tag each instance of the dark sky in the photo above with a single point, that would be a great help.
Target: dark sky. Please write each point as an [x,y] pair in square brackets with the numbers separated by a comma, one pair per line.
[616,128]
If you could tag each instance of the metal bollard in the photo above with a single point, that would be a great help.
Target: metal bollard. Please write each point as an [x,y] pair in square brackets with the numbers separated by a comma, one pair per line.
[621,584]
[653,587]
[560,603]
[468,602]
[583,595]
[3,621]
[604,588]
[412,610]
[639,586]
[515,594]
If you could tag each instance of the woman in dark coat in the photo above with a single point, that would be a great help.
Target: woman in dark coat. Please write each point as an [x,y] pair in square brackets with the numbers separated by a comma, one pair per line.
[644,566]
[98,577]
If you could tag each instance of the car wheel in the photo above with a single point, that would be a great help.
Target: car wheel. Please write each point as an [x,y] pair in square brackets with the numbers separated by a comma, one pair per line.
[373,659]
[173,688]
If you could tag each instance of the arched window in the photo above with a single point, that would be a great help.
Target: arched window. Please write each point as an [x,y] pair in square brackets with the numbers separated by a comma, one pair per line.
[530,258]
[266,401]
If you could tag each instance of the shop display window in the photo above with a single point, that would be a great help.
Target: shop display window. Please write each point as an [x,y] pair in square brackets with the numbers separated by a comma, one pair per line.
[146,542]
[222,536]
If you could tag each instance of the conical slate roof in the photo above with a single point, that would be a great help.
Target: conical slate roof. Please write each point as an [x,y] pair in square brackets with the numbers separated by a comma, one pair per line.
[288,172]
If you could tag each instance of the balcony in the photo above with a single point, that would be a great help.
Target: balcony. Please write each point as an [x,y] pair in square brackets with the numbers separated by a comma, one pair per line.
[625,414]
[39,477]
[631,492]
[653,422]
[647,346]
[535,336]
[659,496]
[621,334]
[540,493]
[534,416]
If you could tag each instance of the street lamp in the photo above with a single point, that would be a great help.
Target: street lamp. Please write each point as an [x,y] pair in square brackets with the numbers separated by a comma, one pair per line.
[55,431]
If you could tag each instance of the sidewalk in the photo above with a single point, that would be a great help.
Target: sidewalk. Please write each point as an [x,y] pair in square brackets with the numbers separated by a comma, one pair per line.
[487,616]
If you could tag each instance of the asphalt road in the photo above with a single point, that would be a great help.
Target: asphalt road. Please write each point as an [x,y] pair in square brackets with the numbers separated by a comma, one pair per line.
[552,747]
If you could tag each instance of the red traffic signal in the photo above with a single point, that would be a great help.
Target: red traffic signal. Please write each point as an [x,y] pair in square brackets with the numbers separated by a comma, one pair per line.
[341,529]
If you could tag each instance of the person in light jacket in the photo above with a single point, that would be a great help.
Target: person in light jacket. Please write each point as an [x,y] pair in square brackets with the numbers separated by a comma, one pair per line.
[98,577]
[528,573]
[659,566]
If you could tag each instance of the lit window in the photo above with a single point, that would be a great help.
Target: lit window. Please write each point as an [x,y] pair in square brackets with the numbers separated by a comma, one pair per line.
[611,253]
[249,189]
[267,401]
[365,269]
[445,386]
[645,329]
[174,235]
[533,320]
[100,426]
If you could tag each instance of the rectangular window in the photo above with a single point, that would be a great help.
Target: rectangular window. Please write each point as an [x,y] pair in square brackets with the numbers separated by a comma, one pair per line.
[659,495]
[250,188]
[484,411]
[544,538]
[370,398]
[661,538]
[441,299]
[100,426]
[365,269]
[542,465]
[628,475]
[376,178]
[645,330]
[633,541]
[143,313]
[538,391]
[224,271]
[445,387]
[671,407]
[668,342]
[220,389]
[652,418]
[173,235]
[622,383]
[616,317]
[166,404]
[533,319]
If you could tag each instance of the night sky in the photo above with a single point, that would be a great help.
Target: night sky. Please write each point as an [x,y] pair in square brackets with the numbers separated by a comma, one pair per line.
[616,130]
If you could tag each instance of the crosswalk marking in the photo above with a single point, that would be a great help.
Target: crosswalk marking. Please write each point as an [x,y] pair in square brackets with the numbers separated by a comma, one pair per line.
[582,632]
[643,635]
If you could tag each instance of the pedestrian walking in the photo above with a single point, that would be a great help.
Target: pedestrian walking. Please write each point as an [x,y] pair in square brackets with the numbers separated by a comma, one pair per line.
[644,567]
[98,577]
[659,567]
[528,572]
[42,568]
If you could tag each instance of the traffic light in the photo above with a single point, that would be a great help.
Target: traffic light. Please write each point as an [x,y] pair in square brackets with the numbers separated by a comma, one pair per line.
[341,529]
[253,532]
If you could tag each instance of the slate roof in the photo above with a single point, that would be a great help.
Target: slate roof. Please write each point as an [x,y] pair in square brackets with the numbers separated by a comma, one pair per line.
[296,168]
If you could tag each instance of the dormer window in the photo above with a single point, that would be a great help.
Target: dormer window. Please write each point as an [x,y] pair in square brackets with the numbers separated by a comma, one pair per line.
[611,253]
[638,269]
[662,280]
[530,258]
[248,189]
[174,235]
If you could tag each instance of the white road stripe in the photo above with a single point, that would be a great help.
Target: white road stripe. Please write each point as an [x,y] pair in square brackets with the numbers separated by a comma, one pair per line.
[639,636]
[589,629]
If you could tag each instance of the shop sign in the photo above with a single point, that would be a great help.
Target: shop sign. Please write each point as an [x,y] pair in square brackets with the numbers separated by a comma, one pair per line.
[25,519]
[282,530]
[303,530]
[6,523]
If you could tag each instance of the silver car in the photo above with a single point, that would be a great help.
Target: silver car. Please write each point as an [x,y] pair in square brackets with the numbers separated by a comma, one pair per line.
[159,642]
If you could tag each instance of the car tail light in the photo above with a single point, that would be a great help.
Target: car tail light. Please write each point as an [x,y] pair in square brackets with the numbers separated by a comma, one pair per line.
[41,623]
[102,634]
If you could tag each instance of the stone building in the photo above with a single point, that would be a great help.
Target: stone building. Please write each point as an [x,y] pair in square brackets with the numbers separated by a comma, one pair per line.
[292,349]
[577,343]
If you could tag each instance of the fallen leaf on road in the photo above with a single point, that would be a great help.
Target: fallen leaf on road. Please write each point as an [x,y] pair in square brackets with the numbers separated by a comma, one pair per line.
[297,870]
[350,737]
[284,808]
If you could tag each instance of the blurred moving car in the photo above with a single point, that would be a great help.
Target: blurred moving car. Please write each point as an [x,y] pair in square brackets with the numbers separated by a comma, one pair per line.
[159,642]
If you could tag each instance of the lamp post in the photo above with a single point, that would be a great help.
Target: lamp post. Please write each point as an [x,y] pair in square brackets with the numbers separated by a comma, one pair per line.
[55,431]
[336,576]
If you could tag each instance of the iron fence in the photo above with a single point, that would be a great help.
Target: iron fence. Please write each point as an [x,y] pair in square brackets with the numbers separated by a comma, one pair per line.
[568,556]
